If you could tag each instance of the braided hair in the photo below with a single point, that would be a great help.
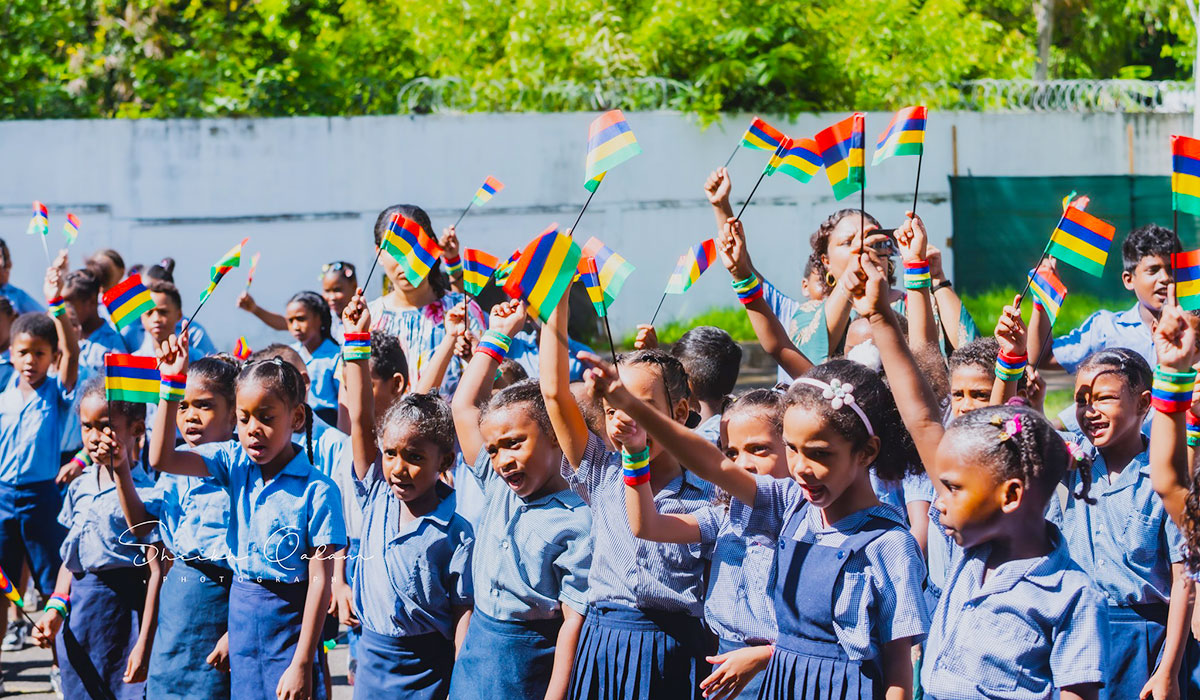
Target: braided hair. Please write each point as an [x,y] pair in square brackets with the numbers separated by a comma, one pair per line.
[674,376]
[315,304]
[284,380]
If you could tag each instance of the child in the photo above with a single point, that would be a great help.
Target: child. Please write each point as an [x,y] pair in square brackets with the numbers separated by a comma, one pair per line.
[7,316]
[97,337]
[309,322]
[643,633]
[412,589]
[812,284]
[285,523]
[711,360]
[738,606]
[107,589]
[108,266]
[166,319]
[534,550]
[33,409]
[191,656]
[1018,618]
[21,301]
[338,283]
[415,314]
[848,599]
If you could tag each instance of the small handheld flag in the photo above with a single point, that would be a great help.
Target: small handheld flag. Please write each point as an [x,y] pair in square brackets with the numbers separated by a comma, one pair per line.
[241,349]
[127,301]
[10,591]
[478,268]
[487,190]
[228,261]
[841,147]
[71,228]
[904,135]
[1049,290]
[1185,174]
[799,159]
[589,274]
[613,269]
[544,272]
[410,246]
[40,223]
[253,267]
[610,143]
[131,378]
[762,136]
[1078,202]
[691,265]
[1082,240]
[505,269]
[1187,279]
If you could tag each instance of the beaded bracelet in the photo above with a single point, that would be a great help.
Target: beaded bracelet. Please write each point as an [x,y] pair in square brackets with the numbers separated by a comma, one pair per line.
[453,265]
[635,467]
[749,289]
[916,275]
[59,602]
[1172,391]
[1010,368]
[1193,430]
[58,306]
[494,344]
[356,346]
[171,386]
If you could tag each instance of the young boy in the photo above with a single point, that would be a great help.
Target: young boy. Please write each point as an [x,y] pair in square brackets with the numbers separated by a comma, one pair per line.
[97,337]
[32,414]
[21,301]
[166,318]
[711,360]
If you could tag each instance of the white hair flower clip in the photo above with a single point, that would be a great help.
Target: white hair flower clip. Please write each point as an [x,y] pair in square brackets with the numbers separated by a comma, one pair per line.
[839,394]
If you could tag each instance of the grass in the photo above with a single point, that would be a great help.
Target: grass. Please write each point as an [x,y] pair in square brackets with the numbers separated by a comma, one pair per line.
[985,308]
[1057,400]
[732,319]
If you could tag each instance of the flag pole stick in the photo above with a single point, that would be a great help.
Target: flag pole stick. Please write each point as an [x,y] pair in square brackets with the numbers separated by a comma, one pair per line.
[378,252]
[763,174]
[731,155]
[1046,345]
[660,303]
[464,213]
[188,321]
[1029,278]
[585,206]
[45,249]
[917,187]
[611,347]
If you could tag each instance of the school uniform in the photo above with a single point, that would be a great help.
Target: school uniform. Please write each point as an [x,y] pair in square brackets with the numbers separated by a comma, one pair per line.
[92,350]
[6,370]
[22,302]
[710,430]
[865,569]
[531,558]
[272,526]
[411,579]
[420,331]
[1034,626]
[524,351]
[1126,542]
[738,607]
[913,488]
[108,588]
[192,513]
[30,435]
[643,635]
[322,366]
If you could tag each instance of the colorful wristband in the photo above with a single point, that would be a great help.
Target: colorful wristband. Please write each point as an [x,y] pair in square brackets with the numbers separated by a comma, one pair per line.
[171,386]
[1193,430]
[1172,391]
[59,602]
[82,458]
[916,275]
[749,289]
[356,346]
[453,265]
[494,344]
[1010,368]
[58,306]
[635,467]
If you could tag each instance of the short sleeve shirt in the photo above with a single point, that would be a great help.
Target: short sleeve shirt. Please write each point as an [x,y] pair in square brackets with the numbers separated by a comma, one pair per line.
[31,431]
[98,536]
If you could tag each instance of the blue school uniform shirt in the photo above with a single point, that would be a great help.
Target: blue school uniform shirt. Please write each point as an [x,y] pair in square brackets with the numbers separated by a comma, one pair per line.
[273,524]
[31,431]
[98,536]
[739,606]
[524,351]
[410,576]
[193,517]
[22,302]
[710,430]
[1126,542]
[420,331]
[6,370]
[330,446]
[322,373]
[1105,329]
[879,597]
[633,572]
[92,349]
[1035,625]
[531,556]
[898,494]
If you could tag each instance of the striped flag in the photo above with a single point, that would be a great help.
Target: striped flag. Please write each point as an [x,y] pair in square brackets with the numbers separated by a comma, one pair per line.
[544,271]
[1082,240]
[1187,279]
[762,136]
[799,159]
[487,190]
[589,274]
[40,223]
[610,143]
[410,246]
[228,261]
[241,349]
[1185,174]
[691,265]
[478,268]
[71,228]
[127,301]
[904,135]
[131,378]
[614,269]
[1049,290]
[841,147]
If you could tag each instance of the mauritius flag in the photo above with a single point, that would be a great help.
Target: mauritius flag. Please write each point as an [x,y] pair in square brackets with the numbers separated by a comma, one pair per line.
[1187,279]
[487,190]
[478,268]
[691,265]
[544,271]
[1082,240]
[228,261]
[589,274]
[614,269]
[127,301]
[1185,174]
[904,135]
[798,158]
[762,136]
[131,378]
[1049,290]
[610,143]
[410,246]
[841,147]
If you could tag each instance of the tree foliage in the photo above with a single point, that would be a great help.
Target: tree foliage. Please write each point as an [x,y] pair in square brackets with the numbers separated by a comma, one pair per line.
[196,58]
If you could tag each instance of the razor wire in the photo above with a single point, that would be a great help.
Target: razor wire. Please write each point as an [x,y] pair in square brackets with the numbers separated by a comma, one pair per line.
[1126,96]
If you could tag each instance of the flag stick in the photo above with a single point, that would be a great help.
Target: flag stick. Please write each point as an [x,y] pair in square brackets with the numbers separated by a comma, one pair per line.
[1029,278]
[752,191]
[45,249]
[862,220]
[917,187]
[731,155]
[378,251]
[188,321]
[464,213]
[585,206]
[612,348]
[1046,345]
[660,303]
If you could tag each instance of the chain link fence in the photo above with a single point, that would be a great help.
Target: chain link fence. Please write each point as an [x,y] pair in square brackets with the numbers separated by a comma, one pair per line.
[1125,96]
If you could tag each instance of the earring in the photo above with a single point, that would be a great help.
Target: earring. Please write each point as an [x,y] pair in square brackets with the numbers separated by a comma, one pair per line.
[830,280]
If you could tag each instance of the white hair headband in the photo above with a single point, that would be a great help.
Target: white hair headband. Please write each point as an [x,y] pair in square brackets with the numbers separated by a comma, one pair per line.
[839,394]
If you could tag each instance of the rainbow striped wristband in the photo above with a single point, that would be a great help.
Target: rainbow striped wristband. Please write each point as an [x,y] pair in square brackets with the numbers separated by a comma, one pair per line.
[58,306]
[59,602]
[494,344]
[1010,368]
[171,386]
[356,346]
[749,289]
[1172,391]
[82,458]
[916,275]
[635,467]
[1193,430]
[453,266]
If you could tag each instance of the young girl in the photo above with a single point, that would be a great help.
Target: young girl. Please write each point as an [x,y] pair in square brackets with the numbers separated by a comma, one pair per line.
[1017,618]
[309,322]
[738,606]
[412,589]
[534,548]
[285,524]
[107,588]
[338,282]
[415,314]
[191,655]
[643,635]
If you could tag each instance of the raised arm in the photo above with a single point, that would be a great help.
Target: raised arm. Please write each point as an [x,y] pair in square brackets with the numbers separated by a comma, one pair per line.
[172,359]
[914,243]
[1011,335]
[136,517]
[270,318]
[1041,332]
[718,188]
[555,380]
[356,374]
[431,375]
[68,337]
[475,385]
[1175,347]
[448,242]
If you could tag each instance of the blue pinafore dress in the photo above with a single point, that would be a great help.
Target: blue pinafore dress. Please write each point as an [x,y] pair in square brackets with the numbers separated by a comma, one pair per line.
[809,663]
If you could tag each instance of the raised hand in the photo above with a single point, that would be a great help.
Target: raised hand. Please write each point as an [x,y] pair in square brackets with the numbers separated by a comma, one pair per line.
[867,285]
[912,238]
[603,381]
[508,318]
[355,317]
[1010,330]
[1175,336]
[173,353]
[731,246]
[245,302]
[718,186]
[627,433]
[449,242]
[456,320]
[647,337]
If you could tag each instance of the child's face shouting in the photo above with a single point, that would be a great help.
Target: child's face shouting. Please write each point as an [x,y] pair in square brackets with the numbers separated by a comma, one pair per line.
[204,416]
[970,389]
[411,463]
[521,452]
[1148,281]
[1106,407]
[303,324]
[751,441]
[820,459]
[32,357]
[160,322]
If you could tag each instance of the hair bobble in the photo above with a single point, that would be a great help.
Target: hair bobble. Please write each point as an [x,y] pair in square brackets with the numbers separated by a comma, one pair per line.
[1009,428]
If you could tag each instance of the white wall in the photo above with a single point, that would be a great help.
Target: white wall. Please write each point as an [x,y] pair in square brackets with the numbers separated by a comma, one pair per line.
[307,190]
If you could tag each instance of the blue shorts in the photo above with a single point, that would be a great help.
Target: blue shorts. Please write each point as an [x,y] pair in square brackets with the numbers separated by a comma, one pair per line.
[30,532]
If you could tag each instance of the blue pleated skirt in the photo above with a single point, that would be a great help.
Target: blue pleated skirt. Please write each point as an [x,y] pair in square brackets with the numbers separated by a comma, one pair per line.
[264,627]
[751,690]
[106,613]
[1135,642]
[416,668]
[193,614]
[805,669]
[503,660]
[630,654]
